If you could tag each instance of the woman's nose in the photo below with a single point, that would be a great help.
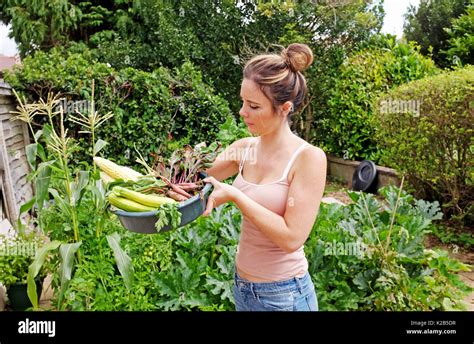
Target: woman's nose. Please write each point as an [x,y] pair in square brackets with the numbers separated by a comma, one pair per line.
[242,112]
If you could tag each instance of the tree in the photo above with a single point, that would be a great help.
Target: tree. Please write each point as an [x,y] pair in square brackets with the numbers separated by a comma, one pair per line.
[216,36]
[41,25]
[461,38]
[425,25]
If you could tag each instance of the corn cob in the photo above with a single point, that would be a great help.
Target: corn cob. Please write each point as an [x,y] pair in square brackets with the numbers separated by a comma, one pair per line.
[126,204]
[148,200]
[106,178]
[116,171]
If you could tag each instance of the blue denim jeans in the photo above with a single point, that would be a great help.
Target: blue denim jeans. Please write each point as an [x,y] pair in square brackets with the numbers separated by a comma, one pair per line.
[296,294]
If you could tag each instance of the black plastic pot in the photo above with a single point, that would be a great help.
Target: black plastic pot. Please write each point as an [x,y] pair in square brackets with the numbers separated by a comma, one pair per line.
[365,177]
[144,222]
[18,295]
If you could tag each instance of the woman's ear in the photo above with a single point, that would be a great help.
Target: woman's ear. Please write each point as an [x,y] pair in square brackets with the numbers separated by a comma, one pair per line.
[287,107]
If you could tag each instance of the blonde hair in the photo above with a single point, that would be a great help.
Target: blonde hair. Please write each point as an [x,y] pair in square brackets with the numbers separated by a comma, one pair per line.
[279,76]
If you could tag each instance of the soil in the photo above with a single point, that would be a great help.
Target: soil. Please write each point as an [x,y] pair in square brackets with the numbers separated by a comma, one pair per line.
[340,196]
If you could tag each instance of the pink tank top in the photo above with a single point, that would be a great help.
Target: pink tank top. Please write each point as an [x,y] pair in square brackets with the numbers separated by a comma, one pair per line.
[256,254]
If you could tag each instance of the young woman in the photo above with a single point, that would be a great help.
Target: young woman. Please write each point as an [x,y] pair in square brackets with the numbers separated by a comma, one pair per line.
[278,188]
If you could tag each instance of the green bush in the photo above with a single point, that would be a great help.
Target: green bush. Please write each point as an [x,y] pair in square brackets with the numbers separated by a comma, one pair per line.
[433,146]
[186,269]
[461,38]
[151,109]
[146,35]
[362,78]
[191,268]
[370,255]
[426,24]
[17,254]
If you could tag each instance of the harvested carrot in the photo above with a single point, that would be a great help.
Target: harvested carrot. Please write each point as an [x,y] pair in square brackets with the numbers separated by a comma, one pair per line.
[187,188]
[195,185]
[176,188]
[176,196]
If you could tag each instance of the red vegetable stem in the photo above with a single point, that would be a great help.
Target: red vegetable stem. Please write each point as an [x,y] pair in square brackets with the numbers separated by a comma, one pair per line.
[176,188]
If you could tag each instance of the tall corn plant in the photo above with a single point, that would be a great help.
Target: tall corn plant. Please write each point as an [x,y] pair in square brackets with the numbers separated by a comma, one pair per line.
[54,164]
[91,122]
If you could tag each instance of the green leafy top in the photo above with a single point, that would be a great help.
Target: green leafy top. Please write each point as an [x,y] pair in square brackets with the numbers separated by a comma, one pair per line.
[16,255]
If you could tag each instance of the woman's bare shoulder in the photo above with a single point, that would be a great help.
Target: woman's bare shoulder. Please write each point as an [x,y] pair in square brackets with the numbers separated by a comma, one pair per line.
[311,157]
[243,142]
[310,149]
[236,150]
[314,151]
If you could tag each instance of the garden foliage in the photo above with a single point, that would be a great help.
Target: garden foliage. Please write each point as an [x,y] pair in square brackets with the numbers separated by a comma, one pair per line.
[370,255]
[152,111]
[434,146]
[365,75]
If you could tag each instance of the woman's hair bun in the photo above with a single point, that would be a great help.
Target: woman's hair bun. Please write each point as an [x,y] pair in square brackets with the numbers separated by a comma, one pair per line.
[298,56]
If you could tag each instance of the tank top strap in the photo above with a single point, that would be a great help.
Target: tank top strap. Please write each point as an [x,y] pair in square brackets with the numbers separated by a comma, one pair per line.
[292,160]
[246,153]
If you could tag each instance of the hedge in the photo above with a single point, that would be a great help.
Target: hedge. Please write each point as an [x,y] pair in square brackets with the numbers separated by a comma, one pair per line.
[152,110]
[426,130]
[362,78]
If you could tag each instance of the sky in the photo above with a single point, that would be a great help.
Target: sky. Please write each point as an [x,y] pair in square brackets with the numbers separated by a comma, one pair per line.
[7,45]
[394,11]
[393,23]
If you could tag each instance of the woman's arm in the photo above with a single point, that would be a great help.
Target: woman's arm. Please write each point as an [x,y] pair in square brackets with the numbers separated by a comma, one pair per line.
[291,230]
[227,162]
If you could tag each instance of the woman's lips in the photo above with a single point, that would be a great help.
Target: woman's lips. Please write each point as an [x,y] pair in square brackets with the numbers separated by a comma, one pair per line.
[248,123]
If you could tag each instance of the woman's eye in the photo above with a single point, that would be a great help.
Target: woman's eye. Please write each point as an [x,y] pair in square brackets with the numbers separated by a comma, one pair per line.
[253,107]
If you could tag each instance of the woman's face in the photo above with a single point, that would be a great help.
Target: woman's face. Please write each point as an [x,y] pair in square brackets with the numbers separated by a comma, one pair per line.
[257,110]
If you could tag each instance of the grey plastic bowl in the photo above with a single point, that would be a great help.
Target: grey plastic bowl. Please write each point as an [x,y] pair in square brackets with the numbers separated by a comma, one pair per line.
[144,222]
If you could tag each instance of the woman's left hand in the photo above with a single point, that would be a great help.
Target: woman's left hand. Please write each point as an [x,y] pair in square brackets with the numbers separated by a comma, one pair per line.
[222,193]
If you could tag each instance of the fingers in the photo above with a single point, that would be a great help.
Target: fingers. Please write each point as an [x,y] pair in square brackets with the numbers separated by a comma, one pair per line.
[211,202]
[211,180]
[209,206]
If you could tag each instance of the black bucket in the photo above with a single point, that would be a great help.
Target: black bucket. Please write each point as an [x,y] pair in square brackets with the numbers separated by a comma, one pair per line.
[144,222]
[365,177]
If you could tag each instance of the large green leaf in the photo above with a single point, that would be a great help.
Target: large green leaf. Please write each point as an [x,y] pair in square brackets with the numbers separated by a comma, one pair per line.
[124,262]
[61,202]
[42,183]
[35,267]
[23,209]
[38,135]
[27,206]
[78,187]
[181,285]
[66,252]
[31,151]
[98,194]
[220,286]
[99,145]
